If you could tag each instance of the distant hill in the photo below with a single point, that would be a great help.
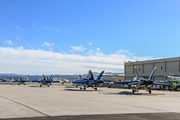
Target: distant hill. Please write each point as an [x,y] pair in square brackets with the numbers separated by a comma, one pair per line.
[8,74]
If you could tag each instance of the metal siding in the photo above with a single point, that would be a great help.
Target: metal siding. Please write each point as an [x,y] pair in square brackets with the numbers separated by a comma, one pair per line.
[172,67]
[129,69]
[158,78]
[148,69]
[158,68]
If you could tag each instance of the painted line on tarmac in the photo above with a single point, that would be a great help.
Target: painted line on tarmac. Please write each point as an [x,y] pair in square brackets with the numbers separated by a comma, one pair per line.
[25,106]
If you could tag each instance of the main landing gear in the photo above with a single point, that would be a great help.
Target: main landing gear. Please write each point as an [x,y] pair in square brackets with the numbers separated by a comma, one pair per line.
[149,90]
[135,90]
[83,88]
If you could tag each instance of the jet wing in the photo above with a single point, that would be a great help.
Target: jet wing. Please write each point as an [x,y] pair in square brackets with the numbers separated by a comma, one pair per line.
[127,82]
[161,83]
[107,82]
[54,81]
[37,81]
[79,82]
[133,83]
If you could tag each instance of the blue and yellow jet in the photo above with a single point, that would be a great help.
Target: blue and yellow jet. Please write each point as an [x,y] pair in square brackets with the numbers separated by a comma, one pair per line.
[20,81]
[46,81]
[143,83]
[89,81]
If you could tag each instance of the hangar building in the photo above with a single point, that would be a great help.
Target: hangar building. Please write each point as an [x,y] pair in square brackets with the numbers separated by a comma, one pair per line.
[168,66]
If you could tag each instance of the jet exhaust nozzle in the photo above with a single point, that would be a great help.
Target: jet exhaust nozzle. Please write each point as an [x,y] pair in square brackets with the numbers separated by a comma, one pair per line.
[100,82]
[148,82]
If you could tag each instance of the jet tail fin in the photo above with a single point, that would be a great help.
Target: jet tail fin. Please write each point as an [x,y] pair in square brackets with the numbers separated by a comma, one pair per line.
[87,76]
[51,78]
[137,76]
[43,76]
[79,76]
[91,77]
[100,75]
[150,77]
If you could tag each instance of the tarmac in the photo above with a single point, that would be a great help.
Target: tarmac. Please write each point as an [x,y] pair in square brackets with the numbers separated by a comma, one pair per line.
[67,102]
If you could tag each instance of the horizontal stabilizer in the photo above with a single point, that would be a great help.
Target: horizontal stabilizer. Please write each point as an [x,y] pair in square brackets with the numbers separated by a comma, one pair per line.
[161,83]
[127,82]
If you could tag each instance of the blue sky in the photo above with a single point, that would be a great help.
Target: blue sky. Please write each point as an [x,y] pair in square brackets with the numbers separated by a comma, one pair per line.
[73,36]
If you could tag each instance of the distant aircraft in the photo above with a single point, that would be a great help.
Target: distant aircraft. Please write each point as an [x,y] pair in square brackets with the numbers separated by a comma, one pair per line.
[46,81]
[143,83]
[89,81]
[80,78]
[20,81]
[64,81]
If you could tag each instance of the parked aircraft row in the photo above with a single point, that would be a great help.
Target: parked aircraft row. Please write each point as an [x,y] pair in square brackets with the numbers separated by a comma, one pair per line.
[44,81]
[89,81]
[137,82]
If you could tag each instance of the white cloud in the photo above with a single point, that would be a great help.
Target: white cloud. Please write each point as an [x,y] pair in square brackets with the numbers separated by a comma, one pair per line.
[98,49]
[20,48]
[18,27]
[78,48]
[90,43]
[9,42]
[29,61]
[48,44]
[45,28]
[90,52]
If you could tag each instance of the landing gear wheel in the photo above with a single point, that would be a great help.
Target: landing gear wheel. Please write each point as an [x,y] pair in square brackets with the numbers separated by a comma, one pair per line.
[40,85]
[80,88]
[95,88]
[137,90]
[129,87]
[48,85]
[133,91]
[149,91]
[84,89]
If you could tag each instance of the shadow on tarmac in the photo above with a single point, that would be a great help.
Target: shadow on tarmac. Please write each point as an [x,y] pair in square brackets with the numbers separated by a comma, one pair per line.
[81,90]
[130,116]
[70,87]
[130,93]
[33,86]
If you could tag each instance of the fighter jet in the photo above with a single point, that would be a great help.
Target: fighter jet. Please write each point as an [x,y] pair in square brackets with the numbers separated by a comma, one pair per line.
[20,81]
[143,83]
[46,81]
[89,81]
[80,78]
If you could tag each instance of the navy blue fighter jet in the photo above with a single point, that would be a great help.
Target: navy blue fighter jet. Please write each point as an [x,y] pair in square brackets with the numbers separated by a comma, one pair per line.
[89,81]
[20,81]
[143,83]
[46,81]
